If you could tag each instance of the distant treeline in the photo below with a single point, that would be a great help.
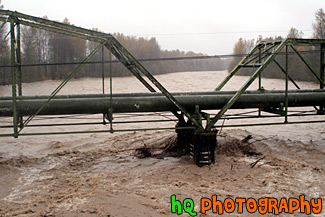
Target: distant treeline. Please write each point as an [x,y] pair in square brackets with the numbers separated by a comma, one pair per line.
[44,47]
[297,69]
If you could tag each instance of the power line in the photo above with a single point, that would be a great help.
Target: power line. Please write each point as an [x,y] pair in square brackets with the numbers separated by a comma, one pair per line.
[147,59]
[216,33]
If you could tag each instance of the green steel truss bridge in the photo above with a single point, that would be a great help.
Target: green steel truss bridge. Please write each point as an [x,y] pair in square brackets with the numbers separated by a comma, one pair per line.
[196,129]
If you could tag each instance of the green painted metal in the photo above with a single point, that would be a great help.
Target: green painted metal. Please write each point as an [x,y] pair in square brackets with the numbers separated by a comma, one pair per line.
[110,110]
[284,72]
[308,66]
[119,51]
[18,57]
[188,105]
[289,77]
[92,123]
[259,56]
[103,77]
[103,70]
[100,105]
[269,56]
[19,70]
[54,23]
[131,63]
[72,31]
[305,42]
[230,75]
[157,121]
[63,31]
[268,124]
[322,74]
[53,94]
[154,129]
[322,66]
[255,54]
[13,73]
[247,92]
[246,85]
[73,73]
[286,86]
[259,75]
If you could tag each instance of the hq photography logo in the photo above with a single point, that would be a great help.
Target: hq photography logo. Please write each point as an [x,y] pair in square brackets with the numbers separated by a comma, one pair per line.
[250,205]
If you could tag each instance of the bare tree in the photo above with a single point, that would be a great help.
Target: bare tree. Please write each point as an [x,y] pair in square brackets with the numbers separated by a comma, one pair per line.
[319,24]
[295,33]
[242,46]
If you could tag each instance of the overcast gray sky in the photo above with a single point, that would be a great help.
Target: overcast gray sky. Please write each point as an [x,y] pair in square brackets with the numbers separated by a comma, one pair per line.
[207,26]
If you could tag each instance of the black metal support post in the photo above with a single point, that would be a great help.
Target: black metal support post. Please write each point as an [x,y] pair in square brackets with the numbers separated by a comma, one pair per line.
[203,147]
[19,78]
[13,74]
[322,75]
[184,138]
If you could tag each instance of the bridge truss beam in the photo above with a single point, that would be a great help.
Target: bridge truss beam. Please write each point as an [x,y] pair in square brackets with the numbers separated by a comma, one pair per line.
[194,138]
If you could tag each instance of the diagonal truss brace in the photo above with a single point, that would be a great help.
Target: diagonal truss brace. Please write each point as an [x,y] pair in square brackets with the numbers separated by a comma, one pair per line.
[132,63]
[111,43]
[269,56]
[246,85]
[63,83]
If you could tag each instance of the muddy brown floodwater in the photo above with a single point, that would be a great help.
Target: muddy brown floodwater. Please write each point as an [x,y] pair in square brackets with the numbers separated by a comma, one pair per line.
[99,174]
